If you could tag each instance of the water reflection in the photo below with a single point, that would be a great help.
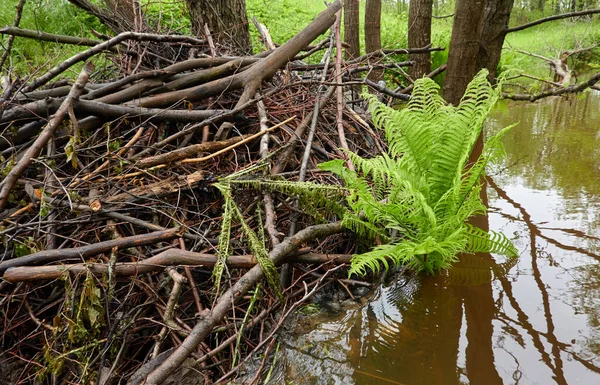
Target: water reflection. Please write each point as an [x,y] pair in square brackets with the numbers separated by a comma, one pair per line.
[532,320]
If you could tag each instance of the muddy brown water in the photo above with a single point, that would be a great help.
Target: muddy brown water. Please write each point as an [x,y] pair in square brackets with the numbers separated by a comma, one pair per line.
[490,320]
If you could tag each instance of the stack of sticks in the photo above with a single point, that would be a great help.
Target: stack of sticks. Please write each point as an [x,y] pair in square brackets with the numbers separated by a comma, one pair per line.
[108,185]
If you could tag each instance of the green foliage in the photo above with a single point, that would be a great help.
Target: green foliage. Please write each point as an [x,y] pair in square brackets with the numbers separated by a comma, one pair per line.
[52,16]
[317,198]
[283,18]
[420,194]
[550,40]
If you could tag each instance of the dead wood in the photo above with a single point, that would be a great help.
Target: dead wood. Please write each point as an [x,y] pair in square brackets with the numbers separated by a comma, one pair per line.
[555,91]
[44,36]
[109,111]
[251,79]
[171,257]
[159,189]
[84,252]
[188,152]
[241,287]
[34,150]
[51,74]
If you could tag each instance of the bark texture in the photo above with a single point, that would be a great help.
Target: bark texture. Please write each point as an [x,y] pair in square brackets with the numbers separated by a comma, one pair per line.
[419,35]
[496,15]
[464,48]
[351,18]
[226,20]
[373,33]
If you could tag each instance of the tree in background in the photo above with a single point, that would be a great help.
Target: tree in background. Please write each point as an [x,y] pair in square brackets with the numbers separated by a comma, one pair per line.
[373,33]
[226,20]
[351,22]
[464,48]
[496,16]
[419,35]
[118,15]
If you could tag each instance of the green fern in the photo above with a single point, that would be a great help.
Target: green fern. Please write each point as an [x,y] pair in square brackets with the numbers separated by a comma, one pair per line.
[420,194]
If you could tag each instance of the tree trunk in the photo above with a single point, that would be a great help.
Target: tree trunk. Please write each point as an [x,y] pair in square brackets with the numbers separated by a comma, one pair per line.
[351,36]
[373,33]
[351,18]
[118,15]
[464,48]
[226,20]
[496,15]
[540,5]
[419,35]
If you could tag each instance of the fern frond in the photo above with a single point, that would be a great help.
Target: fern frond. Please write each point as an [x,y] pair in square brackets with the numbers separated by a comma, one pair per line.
[480,241]
[420,189]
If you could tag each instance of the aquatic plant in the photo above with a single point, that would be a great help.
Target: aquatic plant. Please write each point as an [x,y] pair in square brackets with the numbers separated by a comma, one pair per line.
[416,198]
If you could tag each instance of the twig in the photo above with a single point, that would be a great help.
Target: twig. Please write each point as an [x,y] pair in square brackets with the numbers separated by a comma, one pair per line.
[170,257]
[223,305]
[339,88]
[45,36]
[83,252]
[306,296]
[34,150]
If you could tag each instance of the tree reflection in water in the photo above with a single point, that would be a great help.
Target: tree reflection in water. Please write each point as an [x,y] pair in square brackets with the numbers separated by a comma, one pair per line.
[532,320]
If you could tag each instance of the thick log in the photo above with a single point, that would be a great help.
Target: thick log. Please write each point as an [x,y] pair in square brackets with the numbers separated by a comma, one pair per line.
[206,75]
[83,252]
[171,257]
[110,111]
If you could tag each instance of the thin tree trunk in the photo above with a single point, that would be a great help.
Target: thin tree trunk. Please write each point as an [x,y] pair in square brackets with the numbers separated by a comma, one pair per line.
[540,5]
[351,36]
[464,48]
[373,33]
[226,20]
[351,18]
[419,35]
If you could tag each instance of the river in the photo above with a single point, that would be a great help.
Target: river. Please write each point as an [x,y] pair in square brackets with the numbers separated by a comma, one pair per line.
[490,320]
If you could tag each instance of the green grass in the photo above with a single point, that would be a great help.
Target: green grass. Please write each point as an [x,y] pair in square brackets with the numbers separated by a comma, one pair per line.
[549,40]
[285,18]
[53,16]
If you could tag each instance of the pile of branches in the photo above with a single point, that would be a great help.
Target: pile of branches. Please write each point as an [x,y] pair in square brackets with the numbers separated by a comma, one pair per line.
[110,221]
